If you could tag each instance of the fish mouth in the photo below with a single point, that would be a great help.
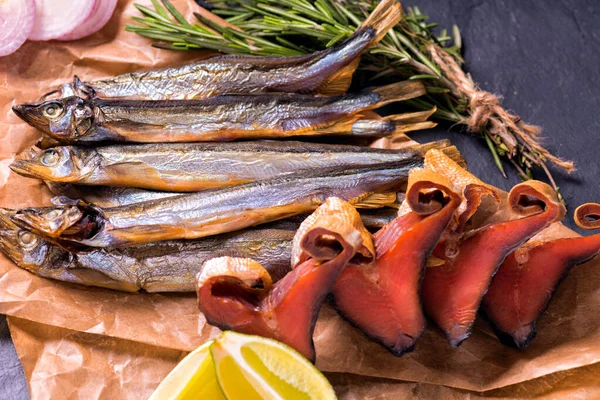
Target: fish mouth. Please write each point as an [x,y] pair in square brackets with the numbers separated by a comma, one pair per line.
[25,220]
[8,245]
[29,219]
[27,113]
[28,169]
[71,222]
[5,219]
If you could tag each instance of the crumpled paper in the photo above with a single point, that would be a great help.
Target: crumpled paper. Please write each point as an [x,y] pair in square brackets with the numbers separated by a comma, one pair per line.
[63,331]
[67,364]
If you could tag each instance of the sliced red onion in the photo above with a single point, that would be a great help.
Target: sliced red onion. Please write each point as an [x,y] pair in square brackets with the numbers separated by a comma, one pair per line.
[103,10]
[17,18]
[56,18]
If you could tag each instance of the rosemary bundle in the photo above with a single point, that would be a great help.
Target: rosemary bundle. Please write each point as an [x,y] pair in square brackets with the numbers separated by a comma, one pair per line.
[409,51]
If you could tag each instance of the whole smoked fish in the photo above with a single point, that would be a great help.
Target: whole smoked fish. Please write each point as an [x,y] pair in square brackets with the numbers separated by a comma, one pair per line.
[238,294]
[212,212]
[169,266]
[471,252]
[528,278]
[106,197]
[189,167]
[220,118]
[326,72]
[383,299]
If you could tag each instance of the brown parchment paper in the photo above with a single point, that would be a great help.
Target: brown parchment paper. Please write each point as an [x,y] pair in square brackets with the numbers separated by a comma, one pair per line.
[67,364]
[569,332]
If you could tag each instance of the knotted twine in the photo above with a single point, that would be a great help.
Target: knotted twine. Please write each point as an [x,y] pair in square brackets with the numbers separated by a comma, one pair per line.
[486,114]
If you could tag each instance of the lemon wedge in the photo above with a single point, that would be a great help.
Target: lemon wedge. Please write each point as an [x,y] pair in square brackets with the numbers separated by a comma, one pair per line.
[252,367]
[235,366]
[193,378]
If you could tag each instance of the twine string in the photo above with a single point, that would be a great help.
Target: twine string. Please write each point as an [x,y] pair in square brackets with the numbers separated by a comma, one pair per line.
[487,114]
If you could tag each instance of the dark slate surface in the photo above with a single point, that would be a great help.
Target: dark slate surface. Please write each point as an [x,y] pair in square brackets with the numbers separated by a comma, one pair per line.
[543,56]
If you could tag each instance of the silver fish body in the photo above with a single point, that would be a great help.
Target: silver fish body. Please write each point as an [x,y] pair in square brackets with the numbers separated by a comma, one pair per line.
[189,167]
[220,118]
[210,212]
[169,266]
[326,72]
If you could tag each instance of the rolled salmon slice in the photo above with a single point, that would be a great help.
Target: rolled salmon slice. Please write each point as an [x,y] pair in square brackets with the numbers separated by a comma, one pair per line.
[527,280]
[453,291]
[237,294]
[383,300]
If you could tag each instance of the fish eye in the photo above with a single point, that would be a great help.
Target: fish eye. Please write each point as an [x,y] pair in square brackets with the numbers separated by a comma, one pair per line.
[27,239]
[53,110]
[49,158]
[53,214]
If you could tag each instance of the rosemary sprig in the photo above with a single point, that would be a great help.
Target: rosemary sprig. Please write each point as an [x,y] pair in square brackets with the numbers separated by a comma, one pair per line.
[409,51]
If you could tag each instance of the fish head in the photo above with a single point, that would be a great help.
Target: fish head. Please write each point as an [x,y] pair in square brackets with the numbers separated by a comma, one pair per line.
[24,248]
[48,221]
[58,164]
[33,253]
[65,119]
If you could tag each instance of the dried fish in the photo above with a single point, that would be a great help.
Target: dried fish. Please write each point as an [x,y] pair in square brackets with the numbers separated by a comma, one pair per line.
[211,212]
[326,72]
[220,118]
[189,167]
[169,266]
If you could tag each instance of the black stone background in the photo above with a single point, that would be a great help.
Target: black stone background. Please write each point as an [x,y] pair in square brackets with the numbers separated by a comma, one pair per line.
[542,56]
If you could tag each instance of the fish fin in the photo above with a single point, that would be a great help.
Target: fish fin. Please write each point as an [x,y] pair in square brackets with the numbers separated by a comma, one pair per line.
[384,17]
[131,174]
[377,200]
[371,115]
[341,126]
[413,117]
[400,129]
[398,91]
[340,81]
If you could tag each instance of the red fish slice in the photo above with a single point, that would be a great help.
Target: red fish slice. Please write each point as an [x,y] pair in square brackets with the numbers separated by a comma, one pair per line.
[383,299]
[237,294]
[526,281]
[453,292]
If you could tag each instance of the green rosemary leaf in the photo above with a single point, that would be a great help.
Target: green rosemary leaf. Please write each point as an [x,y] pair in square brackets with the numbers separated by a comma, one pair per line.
[341,36]
[422,76]
[176,14]
[289,15]
[289,44]
[494,154]
[159,9]
[457,37]
[146,11]
[239,18]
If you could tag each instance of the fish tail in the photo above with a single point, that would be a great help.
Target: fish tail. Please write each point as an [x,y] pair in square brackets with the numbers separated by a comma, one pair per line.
[339,82]
[384,17]
[402,123]
[377,200]
[346,56]
[398,91]
[413,117]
